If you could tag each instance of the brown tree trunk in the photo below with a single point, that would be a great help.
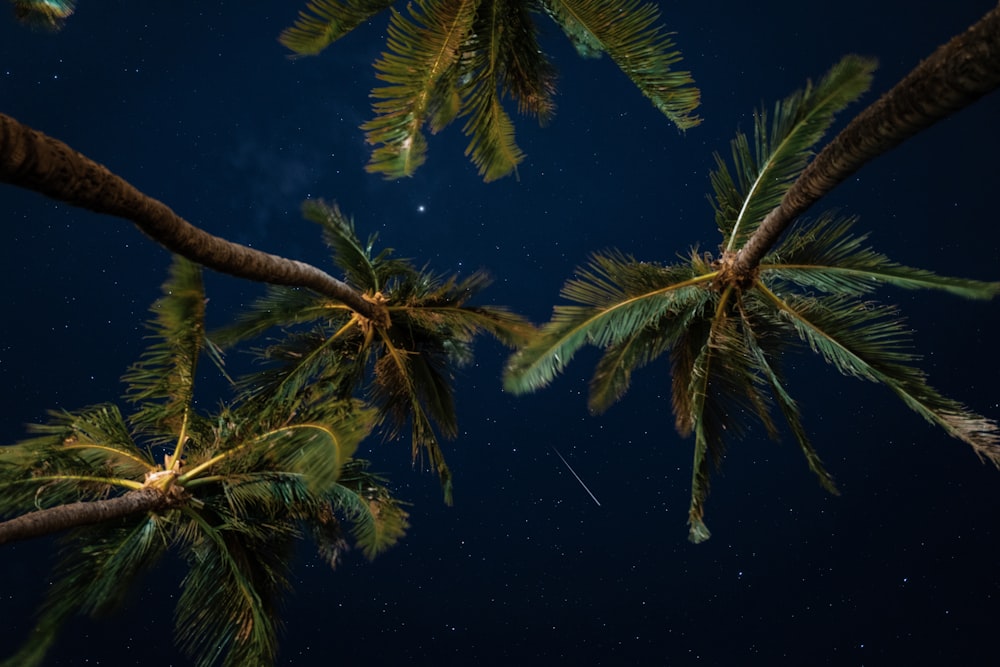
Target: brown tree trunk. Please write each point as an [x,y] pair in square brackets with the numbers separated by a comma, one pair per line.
[61,517]
[953,77]
[35,161]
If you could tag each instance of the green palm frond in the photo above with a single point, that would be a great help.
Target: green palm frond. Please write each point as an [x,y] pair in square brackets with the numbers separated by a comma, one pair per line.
[525,73]
[722,381]
[618,297]
[378,520]
[627,32]
[162,381]
[75,456]
[366,271]
[279,306]
[869,342]
[441,305]
[409,386]
[302,367]
[422,67]
[325,21]
[228,608]
[98,566]
[824,255]
[767,341]
[762,173]
[502,57]
[446,59]
[316,450]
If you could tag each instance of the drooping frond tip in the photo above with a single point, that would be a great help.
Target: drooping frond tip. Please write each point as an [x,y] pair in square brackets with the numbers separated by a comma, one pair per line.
[626,30]
[325,21]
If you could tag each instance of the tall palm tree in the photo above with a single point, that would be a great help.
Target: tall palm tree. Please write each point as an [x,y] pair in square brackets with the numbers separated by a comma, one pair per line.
[32,160]
[234,492]
[728,332]
[404,364]
[460,58]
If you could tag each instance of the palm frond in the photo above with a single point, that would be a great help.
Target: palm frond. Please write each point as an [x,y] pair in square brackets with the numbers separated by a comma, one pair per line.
[525,72]
[314,450]
[325,21]
[98,565]
[824,255]
[353,258]
[76,456]
[279,306]
[627,32]
[302,367]
[869,342]
[619,296]
[162,381]
[766,341]
[411,386]
[422,55]
[764,172]
[378,520]
[492,146]
[441,306]
[228,606]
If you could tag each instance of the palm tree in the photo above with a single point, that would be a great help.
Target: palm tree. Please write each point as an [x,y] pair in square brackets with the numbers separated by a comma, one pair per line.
[233,494]
[404,363]
[728,332]
[32,160]
[461,58]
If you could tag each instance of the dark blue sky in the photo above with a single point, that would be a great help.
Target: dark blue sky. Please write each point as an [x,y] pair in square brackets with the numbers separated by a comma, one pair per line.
[196,104]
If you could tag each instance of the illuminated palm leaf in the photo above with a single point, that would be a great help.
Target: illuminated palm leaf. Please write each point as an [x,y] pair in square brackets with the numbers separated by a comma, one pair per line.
[326,21]
[447,59]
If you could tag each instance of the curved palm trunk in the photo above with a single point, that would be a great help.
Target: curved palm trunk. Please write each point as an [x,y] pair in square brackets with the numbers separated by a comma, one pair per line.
[61,517]
[954,76]
[33,160]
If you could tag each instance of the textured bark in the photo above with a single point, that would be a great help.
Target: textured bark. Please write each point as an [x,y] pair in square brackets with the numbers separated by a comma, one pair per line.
[953,77]
[35,161]
[61,517]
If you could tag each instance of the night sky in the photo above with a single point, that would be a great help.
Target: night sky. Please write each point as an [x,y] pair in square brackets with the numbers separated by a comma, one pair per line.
[196,104]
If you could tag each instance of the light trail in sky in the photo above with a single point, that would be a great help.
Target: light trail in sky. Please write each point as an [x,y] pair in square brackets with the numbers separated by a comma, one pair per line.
[577,476]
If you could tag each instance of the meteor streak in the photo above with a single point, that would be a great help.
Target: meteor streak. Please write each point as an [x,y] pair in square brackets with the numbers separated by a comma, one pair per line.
[566,463]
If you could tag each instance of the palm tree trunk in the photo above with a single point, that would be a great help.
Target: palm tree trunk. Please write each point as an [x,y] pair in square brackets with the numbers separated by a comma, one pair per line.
[61,517]
[33,160]
[953,77]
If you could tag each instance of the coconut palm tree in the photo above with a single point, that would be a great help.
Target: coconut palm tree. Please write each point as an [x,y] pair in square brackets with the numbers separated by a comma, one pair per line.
[32,160]
[234,492]
[404,363]
[460,58]
[727,332]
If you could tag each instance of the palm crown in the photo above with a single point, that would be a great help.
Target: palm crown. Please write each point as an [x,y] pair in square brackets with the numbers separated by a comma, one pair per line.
[728,331]
[404,362]
[236,490]
[460,58]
